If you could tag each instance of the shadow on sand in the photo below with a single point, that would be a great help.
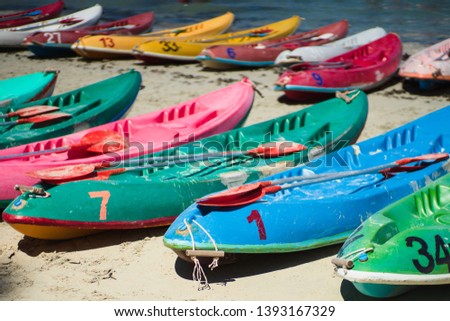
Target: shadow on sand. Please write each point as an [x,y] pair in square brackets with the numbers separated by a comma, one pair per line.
[33,247]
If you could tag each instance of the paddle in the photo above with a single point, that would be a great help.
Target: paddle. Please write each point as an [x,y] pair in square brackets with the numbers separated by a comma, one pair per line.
[306,37]
[17,16]
[166,32]
[38,119]
[312,65]
[250,193]
[256,33]
[67,21]
[30,111]
[98,141]
[113,28]
[64,173]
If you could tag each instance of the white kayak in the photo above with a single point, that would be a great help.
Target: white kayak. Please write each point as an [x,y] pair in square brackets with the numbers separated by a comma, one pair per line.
[329,50]
[13,37]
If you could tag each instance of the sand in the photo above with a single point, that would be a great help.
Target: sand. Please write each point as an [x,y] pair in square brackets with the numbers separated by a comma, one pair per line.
[134,265]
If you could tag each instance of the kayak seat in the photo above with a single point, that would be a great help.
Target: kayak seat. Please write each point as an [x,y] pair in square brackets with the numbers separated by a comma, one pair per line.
[385,233]
[80,108]
[287,124]
[320,133]
[398,139]
[179,112]
[205,119]
[52,144]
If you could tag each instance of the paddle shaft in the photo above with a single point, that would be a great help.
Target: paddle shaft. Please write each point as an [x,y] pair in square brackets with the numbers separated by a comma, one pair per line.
[36,153]
[37,119]
[18,16]
[306,37]
[30,111]
[320,65]
[317,178]
[67,21]
[225,38]
[250,193]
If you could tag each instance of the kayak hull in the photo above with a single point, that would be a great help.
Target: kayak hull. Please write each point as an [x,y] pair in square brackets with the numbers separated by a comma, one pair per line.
[318,214]
[175,187]
[413,233]
[203,116]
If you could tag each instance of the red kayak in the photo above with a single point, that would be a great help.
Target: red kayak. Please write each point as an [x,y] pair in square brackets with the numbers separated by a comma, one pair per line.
[265,53]
[58,43]
[364,68]
[46,12]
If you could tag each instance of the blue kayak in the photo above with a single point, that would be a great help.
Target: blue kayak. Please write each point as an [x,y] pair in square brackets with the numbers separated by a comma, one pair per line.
[304,211]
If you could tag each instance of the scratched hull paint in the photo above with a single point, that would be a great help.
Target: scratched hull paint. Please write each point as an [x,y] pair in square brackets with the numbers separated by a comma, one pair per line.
[19,90]
[329,50]
[206,115]
[45,12]
[58,43]
[366,68]
[13,37]
[264,53]
[403,246]
[94,104]
[320,214]
[121,46]
[155,196]
[187,51]
[430,66]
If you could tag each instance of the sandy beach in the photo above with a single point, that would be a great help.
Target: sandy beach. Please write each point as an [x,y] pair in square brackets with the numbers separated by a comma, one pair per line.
[134,265]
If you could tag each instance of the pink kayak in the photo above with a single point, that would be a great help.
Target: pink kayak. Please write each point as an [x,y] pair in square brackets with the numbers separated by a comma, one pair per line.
[206,115]
[365,68]
[431,63]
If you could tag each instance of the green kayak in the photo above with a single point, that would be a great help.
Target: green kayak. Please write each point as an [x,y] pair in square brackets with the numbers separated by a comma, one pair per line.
[402,246]
[156,191]
[89,106]
[22,89]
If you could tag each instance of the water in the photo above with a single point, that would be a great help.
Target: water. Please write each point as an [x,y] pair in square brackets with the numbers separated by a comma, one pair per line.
[424,22]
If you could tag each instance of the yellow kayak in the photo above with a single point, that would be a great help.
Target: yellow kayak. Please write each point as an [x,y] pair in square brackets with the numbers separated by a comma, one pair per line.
[120,46]
[161,50]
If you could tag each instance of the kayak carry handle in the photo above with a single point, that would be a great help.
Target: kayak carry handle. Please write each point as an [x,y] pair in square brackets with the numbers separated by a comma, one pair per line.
[348,264]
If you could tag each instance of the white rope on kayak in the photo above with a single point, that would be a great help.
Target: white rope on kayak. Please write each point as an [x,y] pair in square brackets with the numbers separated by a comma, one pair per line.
[198,274]
[215,262]
[346,95]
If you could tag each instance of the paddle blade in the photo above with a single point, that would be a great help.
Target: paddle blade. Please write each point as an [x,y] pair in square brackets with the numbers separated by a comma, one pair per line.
[70,21]
[63,172]
[427,157]
[276,149]
[238,196]
[102,141]
[44,118]
[32,111]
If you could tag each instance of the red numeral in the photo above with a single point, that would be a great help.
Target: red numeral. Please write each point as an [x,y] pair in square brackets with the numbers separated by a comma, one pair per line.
[107,42]
[255,216]
[104,195]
